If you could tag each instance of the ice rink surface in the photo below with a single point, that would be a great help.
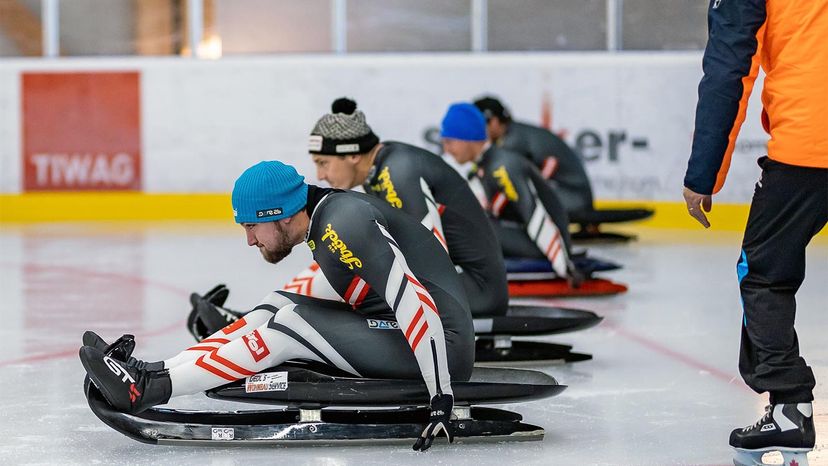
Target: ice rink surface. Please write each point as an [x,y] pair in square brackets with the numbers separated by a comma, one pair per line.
[663,387]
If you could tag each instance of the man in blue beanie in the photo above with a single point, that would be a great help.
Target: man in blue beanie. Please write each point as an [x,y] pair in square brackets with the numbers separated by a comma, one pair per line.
[382,263]
[530,220]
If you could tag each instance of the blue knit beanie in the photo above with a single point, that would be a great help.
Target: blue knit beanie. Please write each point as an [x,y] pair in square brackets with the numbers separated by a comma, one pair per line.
[464,121]
[268,191]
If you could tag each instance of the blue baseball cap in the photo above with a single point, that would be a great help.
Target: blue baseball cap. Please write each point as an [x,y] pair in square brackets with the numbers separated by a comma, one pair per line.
[465,122]
[268,191]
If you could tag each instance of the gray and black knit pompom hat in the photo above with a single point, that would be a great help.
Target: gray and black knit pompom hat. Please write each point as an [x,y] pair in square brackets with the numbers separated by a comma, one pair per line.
[344,131]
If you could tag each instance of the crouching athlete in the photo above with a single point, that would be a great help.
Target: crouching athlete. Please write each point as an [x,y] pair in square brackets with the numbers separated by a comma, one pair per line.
[383,264]
[529,220]
[347,154]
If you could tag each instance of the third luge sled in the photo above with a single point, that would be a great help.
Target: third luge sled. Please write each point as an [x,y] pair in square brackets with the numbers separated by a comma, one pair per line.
[495,343]
[369,411]
[535,278]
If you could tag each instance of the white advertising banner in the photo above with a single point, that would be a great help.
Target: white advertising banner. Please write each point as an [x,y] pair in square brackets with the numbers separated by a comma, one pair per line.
[630,115]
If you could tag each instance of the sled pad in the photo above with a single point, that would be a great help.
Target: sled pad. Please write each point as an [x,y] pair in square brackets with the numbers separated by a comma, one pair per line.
[306,392]
[535,320]
[308,388]
[560,288]
[541,269]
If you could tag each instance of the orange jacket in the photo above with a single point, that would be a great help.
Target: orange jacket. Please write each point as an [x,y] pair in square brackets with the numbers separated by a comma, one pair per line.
[790,40]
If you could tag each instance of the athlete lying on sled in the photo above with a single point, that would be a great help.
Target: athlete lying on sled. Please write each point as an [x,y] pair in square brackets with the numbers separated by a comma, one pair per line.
[529,220]
[387,264]
[562,169]
[348,154]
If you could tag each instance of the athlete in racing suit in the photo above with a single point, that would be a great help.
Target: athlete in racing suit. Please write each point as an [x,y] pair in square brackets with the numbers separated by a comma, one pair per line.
[421,184]
[381,262]
[530,220]
[553,157]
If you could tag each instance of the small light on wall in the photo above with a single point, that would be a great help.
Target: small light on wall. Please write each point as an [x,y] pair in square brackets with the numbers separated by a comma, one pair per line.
[210,47]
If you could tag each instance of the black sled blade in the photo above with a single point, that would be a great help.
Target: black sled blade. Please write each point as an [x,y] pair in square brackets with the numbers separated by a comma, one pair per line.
[525,353]
[283,427]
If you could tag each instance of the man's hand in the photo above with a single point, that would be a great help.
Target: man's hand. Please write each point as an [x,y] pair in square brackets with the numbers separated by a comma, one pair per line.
[441,406]
[696,203]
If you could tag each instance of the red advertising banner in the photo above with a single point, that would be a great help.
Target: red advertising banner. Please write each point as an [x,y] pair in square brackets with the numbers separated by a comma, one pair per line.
[81,131]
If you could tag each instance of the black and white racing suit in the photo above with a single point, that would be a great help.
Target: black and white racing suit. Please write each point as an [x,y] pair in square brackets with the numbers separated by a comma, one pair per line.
[421,184]
[558,163]
[402,311]
[529,220]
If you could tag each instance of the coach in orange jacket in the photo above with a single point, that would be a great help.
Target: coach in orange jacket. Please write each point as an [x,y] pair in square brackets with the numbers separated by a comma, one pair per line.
[788,39]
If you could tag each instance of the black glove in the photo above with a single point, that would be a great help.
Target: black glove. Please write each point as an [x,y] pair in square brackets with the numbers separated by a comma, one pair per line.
[441,406]
[576,276]
[207,315]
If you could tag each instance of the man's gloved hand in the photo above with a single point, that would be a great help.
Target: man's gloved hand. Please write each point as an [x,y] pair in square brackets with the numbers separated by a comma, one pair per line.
[218,295]
[207,315]
[576,277]
[441,406]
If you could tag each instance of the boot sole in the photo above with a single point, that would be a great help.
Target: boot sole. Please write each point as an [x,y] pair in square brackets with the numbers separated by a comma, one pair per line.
[95,379]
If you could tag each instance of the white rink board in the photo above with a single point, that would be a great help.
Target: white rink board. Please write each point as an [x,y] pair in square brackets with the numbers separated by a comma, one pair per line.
[205,121]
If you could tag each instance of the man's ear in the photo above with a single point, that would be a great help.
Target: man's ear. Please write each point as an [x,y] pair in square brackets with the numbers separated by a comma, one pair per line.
[353,159]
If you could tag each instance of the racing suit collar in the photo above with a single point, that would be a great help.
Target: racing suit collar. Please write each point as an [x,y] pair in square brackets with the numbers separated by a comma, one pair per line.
[316,196]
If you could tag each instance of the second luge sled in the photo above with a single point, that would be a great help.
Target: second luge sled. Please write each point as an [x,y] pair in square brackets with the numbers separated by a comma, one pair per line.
[495,335]
[368,411]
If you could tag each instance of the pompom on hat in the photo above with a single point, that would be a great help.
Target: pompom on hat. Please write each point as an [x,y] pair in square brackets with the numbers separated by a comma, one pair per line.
[344,131]
[268,191]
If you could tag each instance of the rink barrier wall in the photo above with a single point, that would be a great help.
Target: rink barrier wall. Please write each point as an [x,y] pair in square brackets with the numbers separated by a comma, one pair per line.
[73,207]
[194,125]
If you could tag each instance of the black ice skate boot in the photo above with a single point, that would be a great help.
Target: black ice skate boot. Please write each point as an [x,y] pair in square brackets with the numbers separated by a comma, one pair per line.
[786,428]
[126,388]
[121,350]
[208,315]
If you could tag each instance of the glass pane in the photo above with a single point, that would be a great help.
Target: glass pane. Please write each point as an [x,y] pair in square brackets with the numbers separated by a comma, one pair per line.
[409,25]
[161,26]
[20,31]
[653,25]
[97,27]
[547,24]
[263,26]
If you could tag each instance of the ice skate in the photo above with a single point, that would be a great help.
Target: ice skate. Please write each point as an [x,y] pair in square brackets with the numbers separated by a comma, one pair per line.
[786,428]
[125,387]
